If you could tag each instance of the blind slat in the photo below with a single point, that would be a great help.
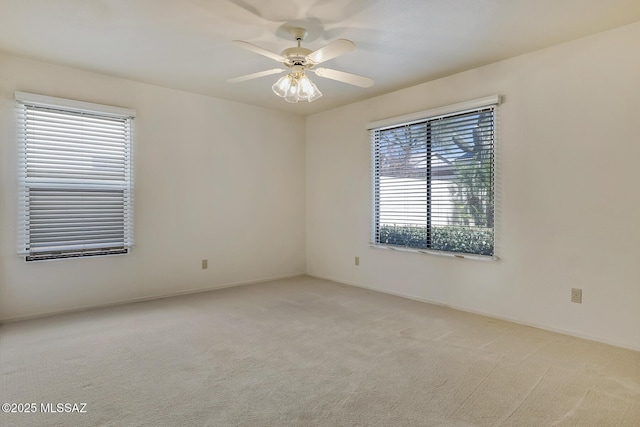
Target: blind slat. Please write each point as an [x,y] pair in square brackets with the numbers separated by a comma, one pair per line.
[75,182]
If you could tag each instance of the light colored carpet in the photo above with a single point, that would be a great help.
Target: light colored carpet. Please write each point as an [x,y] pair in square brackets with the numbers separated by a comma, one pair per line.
[309,352]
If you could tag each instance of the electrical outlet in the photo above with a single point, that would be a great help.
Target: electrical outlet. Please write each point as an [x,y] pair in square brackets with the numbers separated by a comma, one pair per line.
[576,295]
[205,264]
[357,261]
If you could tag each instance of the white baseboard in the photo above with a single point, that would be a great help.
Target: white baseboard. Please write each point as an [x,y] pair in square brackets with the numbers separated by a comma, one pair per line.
[146,298]
[482,313]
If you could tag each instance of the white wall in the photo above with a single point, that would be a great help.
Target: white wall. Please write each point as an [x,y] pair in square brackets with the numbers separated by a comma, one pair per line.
[569,203]
[214,180]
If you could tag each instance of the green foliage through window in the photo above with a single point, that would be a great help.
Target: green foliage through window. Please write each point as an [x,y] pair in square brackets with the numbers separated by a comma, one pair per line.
[466,240]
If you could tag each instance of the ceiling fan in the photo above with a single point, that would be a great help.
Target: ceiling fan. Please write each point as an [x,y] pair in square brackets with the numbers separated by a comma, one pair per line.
[296,86]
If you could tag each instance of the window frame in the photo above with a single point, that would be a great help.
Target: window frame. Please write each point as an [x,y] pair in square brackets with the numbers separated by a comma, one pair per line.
[71,184]
[427,117]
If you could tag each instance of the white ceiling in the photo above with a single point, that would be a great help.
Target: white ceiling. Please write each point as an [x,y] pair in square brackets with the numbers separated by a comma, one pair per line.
[186,44]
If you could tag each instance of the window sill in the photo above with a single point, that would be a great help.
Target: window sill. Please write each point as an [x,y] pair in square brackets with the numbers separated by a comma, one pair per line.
[55,256]
[438,253]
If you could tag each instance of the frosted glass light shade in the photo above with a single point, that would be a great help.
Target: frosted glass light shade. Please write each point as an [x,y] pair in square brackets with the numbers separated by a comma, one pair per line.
[292,92]
[282,85]
[307,90]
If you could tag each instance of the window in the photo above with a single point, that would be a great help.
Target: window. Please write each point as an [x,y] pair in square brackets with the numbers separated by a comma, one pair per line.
[433,179]
[75,178]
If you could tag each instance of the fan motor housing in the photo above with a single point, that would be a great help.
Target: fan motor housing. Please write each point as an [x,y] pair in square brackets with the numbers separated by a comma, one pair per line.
[297,56]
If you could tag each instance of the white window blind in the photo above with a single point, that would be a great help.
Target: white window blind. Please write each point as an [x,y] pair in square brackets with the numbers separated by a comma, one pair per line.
[75,178]
[434,182]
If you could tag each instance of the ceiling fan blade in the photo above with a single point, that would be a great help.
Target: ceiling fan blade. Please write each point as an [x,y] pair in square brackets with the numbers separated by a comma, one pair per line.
[256,75]
[330,51]
[341,76]
[256,49]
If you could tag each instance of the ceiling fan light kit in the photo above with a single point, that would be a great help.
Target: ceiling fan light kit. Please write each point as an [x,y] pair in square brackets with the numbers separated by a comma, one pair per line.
[296,85]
